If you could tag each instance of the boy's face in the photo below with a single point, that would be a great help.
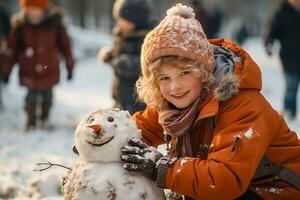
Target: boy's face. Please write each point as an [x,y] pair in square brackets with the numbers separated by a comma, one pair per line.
[125,25]
[178,84]
[34,12]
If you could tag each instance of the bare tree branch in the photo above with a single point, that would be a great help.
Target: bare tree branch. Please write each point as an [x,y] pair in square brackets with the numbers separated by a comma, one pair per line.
[50,165]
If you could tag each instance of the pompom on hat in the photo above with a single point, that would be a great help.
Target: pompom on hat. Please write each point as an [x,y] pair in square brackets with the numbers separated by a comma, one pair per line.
[178,34]
[43,4]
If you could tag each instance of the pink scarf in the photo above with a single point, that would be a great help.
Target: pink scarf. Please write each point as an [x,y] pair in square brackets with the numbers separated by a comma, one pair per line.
[179,123]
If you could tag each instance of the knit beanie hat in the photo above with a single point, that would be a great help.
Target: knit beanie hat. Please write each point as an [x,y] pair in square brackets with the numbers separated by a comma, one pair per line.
[178,34]
[43,4]
[135,11]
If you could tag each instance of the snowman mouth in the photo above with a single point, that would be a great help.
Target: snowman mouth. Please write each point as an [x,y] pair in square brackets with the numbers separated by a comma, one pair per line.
[101,141]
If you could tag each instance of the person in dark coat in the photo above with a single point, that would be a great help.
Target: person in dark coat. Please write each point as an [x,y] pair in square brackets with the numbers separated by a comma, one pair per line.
[285,27]
[132,24]
[4,30]
[36,42]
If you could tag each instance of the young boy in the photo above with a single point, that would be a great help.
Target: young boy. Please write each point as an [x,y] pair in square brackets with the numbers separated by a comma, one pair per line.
[224,140]
[132,24]
[36,42]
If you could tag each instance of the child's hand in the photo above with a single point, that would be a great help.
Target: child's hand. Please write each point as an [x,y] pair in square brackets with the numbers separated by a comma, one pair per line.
[105,55]
[138,156]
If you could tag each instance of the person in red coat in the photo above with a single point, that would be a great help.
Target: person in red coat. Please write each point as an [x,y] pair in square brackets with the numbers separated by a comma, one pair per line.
[36,42]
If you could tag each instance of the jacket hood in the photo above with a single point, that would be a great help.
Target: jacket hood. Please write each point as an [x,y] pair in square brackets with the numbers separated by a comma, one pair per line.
[235,70]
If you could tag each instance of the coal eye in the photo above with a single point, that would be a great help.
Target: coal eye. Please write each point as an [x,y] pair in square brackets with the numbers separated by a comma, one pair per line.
[110,119]
[91,120]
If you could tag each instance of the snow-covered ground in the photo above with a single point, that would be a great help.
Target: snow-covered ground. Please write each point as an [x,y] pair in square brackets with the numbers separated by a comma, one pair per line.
[90,89]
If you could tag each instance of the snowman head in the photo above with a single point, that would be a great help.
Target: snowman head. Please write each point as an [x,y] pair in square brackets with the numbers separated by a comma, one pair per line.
[99,136]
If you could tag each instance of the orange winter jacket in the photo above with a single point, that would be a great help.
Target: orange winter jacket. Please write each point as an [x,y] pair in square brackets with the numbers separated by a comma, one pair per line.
[239,142]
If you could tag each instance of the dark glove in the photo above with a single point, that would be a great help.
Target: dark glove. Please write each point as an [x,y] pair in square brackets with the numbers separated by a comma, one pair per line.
[105,55]
[5,79]
[138,156]
[70,75]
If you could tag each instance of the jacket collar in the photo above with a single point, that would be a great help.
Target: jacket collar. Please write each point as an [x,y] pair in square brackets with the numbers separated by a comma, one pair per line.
[209,107]
[235,70]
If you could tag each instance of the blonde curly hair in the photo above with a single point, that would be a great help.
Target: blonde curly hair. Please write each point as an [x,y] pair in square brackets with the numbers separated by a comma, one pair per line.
[147,87]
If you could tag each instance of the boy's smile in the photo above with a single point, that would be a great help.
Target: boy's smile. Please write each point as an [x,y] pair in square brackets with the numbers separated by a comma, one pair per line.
[178,85]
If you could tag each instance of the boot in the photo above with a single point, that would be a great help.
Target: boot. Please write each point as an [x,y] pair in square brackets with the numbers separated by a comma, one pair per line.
[45,110]
[31,116]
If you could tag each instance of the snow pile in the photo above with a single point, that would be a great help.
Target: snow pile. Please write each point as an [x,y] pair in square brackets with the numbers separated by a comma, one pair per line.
[18,158]
[46,186]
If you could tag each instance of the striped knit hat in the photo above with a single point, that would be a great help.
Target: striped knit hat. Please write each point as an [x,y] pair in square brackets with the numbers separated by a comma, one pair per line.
[178,34]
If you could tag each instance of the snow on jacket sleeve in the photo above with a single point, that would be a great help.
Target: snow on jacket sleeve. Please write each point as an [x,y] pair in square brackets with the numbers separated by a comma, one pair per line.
[147,121]
[229,168]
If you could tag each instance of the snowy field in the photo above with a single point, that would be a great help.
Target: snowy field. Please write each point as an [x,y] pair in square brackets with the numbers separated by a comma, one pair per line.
[88,91]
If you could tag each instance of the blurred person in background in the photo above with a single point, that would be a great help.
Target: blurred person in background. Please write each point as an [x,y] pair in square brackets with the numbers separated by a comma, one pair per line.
[133,22]
[4,30]
[242,34]
[36,42]
[209,15]
[285,27]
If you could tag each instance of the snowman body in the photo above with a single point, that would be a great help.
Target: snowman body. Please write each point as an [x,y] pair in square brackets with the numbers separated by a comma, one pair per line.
[98,173]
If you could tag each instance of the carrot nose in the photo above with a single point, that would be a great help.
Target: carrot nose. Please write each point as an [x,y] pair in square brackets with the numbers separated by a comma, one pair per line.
[96,127]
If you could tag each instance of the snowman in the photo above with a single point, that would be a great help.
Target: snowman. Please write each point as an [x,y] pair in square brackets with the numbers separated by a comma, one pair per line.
[98,173]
